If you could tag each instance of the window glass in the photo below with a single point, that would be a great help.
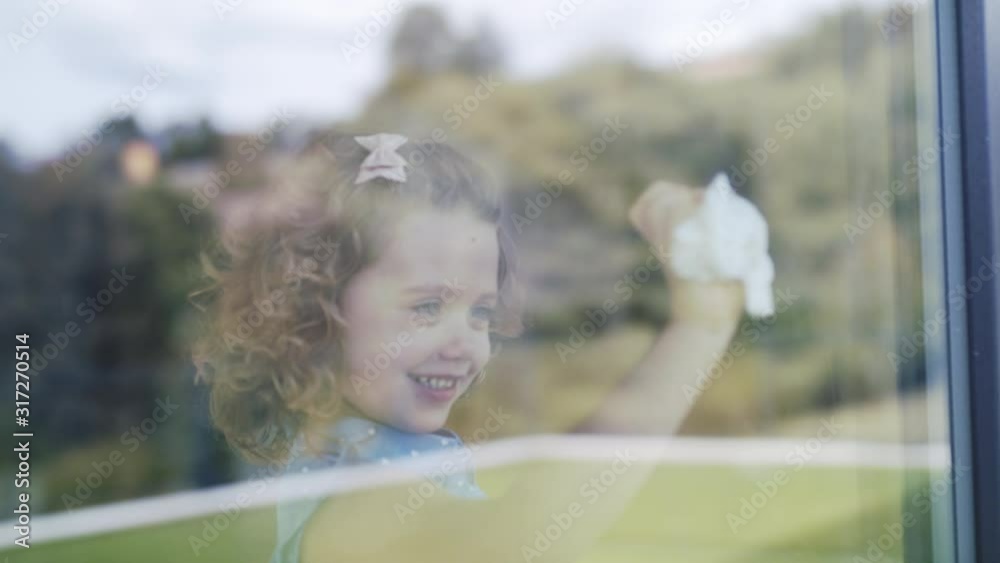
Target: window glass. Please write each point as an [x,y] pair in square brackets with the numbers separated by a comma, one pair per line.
[225,226]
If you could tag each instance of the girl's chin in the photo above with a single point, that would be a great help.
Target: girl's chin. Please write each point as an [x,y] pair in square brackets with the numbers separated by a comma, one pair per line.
[422,419]
[425,423]
[419,420]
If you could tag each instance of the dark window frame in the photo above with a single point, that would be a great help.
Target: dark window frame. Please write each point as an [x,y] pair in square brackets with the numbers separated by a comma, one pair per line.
[969,61]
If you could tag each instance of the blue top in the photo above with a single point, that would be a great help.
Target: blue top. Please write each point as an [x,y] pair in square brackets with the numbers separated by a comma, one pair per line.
[362,441]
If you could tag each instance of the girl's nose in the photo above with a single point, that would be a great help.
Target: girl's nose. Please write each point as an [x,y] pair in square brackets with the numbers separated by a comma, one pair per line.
[459,340]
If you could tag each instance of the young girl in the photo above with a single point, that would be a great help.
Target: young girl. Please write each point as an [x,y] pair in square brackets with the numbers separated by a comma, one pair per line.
[344,330]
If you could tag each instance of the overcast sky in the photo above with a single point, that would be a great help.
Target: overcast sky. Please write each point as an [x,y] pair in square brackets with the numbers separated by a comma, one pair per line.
[239,67]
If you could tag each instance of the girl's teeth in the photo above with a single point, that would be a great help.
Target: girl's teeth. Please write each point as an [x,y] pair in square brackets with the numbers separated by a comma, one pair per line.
[436,382]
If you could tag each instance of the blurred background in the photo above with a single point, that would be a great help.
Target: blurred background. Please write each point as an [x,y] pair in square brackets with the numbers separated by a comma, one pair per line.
[131,132]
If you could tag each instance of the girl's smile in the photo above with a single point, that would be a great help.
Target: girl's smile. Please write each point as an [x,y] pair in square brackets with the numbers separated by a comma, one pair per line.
[437,388]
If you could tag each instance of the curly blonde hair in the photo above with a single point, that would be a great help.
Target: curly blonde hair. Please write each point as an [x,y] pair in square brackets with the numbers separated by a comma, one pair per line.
[271,348]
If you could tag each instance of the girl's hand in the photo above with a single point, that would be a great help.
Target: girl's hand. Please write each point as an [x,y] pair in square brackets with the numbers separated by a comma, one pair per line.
[655,214]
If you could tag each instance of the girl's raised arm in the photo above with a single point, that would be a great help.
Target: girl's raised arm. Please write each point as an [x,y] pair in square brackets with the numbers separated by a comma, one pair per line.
[704,315]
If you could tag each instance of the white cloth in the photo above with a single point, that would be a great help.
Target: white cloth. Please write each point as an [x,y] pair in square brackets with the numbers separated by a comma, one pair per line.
[726,239]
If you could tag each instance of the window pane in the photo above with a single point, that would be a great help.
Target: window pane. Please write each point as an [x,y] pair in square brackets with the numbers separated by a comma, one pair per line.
[215,255]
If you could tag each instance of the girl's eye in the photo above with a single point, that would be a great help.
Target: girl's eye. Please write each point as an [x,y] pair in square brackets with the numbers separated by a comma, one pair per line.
[428,309]
[483,315]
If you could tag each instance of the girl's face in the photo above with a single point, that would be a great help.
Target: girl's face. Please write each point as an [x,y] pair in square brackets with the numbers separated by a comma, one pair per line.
[418,319]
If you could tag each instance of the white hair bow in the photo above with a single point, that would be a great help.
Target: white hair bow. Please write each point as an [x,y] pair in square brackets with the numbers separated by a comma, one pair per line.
[727,239]
[383,160]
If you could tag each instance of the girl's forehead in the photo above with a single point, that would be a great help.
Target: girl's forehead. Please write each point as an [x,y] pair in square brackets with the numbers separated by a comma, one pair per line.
[436,246]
